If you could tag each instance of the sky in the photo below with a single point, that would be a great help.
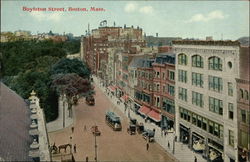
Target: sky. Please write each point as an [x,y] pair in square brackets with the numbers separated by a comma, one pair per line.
[186,19]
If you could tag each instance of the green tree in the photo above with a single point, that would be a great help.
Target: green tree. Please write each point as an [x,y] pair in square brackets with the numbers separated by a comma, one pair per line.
[65,66]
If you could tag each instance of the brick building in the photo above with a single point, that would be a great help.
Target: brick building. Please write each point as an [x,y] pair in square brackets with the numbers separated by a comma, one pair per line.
[94,45]
[243,106]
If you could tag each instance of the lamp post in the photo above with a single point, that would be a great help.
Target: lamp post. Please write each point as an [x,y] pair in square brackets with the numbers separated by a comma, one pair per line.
[173,142]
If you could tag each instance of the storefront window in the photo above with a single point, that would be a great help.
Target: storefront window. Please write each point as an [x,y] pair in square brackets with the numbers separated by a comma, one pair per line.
[189,116]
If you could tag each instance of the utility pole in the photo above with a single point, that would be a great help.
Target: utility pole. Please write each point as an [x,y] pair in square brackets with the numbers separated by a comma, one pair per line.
[95,146]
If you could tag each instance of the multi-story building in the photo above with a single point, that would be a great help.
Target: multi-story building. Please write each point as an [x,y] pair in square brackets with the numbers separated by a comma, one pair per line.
[94,45]
[206,97]
[243,87]
[163,85]
[144,88]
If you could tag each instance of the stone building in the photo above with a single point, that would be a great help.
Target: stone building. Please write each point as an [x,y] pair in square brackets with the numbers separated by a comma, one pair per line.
[206,97]
[23,136]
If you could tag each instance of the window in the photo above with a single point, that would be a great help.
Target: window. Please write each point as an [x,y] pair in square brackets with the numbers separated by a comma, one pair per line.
[216,105]
[158,87]
[171,90]
[230,88]
[182,76]
[183,94]
[211,127]
[244,139]
[197,79]
[215,63]
[171,75]
[197,99]
[230,111]
[204,124]
[241,94]
[182,59]
[199,121]
[158,74]
[181,113]
[243,116]
[163,75]
[231,138]
[197,61]
[194,119]
[246,95]
[215,83]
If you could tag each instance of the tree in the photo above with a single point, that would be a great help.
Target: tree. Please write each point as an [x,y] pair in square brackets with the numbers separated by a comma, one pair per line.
[73,86]
[65,66]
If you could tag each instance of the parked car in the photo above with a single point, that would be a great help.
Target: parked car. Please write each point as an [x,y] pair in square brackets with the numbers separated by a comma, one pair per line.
[148,135]
[131,129]
[140,128]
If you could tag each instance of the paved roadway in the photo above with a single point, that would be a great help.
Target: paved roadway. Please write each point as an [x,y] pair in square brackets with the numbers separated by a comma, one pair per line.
[112,146]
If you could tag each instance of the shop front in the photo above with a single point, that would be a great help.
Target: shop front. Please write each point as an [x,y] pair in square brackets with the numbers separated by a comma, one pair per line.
[184,134]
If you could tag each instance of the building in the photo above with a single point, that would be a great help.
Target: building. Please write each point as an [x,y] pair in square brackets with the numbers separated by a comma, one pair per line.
[206,97]
[163,85]
[243,87]
[23,133]
[94,45]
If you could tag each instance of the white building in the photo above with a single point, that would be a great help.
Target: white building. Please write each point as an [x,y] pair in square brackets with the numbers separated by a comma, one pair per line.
[206,100]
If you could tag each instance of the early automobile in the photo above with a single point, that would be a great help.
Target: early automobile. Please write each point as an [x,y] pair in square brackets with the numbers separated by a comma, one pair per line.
[95,130]
[133,121]
[90,100]
[113,121]
[148,135]
[131,129]
[140,128]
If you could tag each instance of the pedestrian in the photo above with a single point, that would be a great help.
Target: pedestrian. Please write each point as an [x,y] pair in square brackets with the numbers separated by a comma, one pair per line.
[74,148]
[85,128]
[195,159]
[72,129]
[168,145]
[87,158]
[147,146]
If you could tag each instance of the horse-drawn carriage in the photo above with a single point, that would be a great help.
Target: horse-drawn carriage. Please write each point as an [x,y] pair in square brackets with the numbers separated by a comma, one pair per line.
[95,131]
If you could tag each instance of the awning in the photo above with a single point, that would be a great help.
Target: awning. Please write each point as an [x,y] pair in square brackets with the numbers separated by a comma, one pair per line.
[124,98]
[112,88]
[144,110]
[155,116]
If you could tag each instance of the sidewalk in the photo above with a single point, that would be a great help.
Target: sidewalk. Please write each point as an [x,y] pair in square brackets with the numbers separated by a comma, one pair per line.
[181,151]
[58,123]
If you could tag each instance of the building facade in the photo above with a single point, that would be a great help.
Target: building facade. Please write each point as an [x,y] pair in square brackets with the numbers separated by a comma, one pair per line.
[243,87]
[206,97]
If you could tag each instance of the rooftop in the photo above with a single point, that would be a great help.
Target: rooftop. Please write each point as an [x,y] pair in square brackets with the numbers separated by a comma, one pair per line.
[205,42]
[14,133]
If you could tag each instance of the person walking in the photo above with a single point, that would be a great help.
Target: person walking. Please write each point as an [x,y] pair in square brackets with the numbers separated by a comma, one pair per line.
[87,158]
[72,129]
[85,128]
[147,146]
[168,145]
[74,148]
[195,159]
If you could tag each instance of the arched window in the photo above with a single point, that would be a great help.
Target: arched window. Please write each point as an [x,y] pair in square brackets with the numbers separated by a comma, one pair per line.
[197,61]
[215,63]
[241,94]
[182,59]
[246,95]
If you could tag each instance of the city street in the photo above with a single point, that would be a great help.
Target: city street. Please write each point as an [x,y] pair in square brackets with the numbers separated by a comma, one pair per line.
[111,145]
